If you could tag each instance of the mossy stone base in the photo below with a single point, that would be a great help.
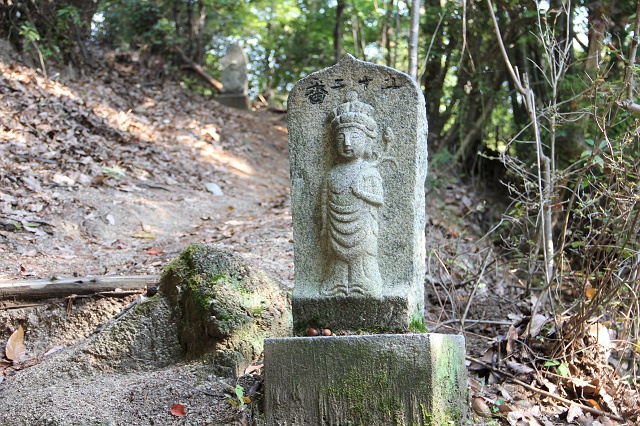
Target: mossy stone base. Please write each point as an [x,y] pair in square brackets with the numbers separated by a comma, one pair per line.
[353,315]
[400,379]
[224,306]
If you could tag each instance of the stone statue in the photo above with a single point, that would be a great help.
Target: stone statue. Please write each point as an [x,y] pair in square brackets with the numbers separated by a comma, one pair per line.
[357,198]
[352,193]
[234,79]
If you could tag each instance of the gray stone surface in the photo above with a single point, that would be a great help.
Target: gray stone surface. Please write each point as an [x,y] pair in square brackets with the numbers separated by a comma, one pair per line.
[409,379]
[224,306]
[234,78]
[358,150]
[233,100]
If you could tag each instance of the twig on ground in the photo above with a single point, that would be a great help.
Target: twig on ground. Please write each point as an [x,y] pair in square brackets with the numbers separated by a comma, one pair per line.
[474,322]
[449,295]
[545,393]
[475,288]
[62,287]
[20,306]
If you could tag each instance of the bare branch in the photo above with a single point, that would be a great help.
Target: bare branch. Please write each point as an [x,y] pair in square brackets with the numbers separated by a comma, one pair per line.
[629,105]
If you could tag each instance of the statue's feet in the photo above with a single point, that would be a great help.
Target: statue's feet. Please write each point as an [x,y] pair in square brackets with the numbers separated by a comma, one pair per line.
[366,291]
[334,290]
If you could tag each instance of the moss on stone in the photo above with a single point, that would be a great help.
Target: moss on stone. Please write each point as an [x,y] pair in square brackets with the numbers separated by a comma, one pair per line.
[222,302]
[417,324]
[362,395]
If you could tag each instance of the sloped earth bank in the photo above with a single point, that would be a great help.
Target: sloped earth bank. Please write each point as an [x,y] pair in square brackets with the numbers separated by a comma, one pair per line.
[117,171]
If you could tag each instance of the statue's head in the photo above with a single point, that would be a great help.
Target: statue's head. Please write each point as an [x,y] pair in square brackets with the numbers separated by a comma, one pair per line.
[354,128]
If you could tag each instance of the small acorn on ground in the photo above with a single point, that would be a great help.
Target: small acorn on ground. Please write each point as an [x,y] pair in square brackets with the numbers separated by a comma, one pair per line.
[326,332]
[312,332]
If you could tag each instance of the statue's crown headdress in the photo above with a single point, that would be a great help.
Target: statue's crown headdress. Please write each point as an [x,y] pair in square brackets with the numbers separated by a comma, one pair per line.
[354,113]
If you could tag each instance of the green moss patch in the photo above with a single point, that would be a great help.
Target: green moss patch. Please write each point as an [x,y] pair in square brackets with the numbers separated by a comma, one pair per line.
[224,304]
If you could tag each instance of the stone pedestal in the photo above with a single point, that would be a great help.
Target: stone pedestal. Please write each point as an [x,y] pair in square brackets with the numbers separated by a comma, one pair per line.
[235,100]
[404,379]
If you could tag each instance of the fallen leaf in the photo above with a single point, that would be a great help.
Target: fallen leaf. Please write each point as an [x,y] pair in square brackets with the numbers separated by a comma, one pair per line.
[253,367]
[536,324]
[30,253]
[480,407]
[154,252]
[590,292]
[512,336]
[573,412]
[178,410]
[62,179]
[594,403]
[15,349]
[519,368]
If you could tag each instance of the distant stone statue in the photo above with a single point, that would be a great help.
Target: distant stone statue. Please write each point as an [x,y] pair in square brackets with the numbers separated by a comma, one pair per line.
[351,196]
[234,78]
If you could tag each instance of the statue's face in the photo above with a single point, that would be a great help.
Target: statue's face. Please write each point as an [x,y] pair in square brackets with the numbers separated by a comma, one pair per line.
[352,142]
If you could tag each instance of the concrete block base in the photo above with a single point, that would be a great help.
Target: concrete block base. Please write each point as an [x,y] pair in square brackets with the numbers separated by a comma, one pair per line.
[385,379]
[235,100]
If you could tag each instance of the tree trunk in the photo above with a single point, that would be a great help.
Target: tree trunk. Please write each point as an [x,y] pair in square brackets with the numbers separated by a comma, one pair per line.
[389,30]
[337,32]
[598,18]
[413,39]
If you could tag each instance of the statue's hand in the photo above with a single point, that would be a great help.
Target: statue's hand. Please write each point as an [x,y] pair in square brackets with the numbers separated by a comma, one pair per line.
[369,190]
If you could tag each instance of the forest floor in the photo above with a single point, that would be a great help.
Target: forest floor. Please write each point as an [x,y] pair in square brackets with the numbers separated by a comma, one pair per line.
[116,171]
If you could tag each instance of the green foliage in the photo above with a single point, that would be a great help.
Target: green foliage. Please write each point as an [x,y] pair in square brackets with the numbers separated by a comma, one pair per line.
[55,29]
[28,31]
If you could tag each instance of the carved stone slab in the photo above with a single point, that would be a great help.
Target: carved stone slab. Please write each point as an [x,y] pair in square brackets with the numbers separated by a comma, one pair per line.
[358,150]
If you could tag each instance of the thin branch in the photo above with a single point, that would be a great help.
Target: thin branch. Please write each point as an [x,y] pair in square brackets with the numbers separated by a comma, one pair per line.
[632,56]
[423,68]
[514,76]
[469,324]
[485,263]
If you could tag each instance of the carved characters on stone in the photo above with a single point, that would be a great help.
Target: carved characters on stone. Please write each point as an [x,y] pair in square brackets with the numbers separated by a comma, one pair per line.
[352,194]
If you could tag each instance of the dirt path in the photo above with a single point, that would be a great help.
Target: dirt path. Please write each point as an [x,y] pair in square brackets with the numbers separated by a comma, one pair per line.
[100,181]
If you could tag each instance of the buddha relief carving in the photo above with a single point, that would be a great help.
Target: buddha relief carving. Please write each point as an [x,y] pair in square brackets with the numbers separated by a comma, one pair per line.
[352,194]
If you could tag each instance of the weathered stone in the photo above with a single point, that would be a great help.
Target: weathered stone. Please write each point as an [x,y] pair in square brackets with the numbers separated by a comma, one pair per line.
[358,149]
[224,306]
[410,379]
[234,78]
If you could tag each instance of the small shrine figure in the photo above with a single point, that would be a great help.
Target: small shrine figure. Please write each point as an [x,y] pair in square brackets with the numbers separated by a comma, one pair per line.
[352,194]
